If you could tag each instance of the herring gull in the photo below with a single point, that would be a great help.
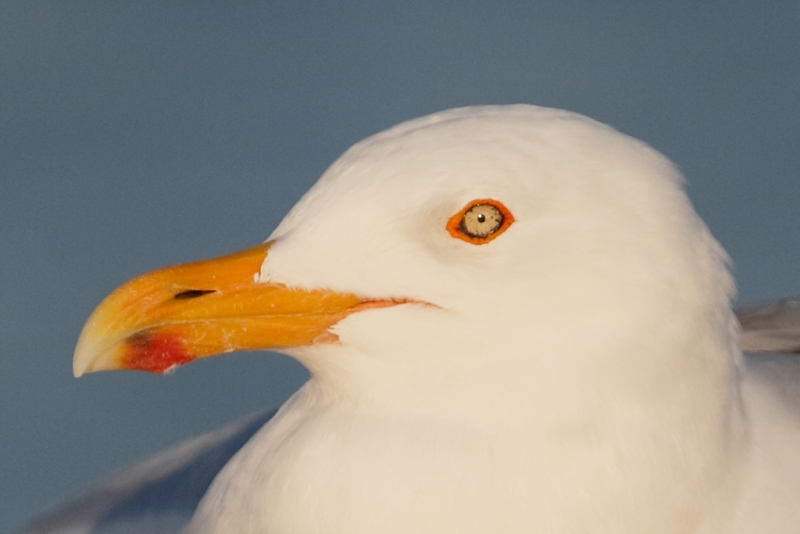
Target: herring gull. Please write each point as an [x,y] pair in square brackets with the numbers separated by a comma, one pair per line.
[514,321]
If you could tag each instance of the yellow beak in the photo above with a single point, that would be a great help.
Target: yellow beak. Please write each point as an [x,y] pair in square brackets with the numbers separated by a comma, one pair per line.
[174,315]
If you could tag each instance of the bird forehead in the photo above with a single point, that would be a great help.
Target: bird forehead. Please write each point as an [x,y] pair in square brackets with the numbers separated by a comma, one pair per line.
[519,149]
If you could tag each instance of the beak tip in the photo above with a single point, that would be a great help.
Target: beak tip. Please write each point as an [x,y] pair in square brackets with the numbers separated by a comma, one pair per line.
[87,358]
[80,363]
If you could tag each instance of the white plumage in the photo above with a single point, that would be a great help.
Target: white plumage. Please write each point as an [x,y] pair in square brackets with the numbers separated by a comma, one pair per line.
[579,373]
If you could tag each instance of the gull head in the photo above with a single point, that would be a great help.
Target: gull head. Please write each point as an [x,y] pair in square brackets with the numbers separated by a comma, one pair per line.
[484,262]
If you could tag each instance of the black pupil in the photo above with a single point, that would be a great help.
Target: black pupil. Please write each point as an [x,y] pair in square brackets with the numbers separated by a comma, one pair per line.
[481,218]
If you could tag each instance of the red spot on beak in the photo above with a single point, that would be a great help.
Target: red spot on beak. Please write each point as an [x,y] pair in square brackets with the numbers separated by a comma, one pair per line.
[154,352]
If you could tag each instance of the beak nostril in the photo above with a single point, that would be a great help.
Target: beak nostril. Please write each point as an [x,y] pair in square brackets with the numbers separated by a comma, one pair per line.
[192,294]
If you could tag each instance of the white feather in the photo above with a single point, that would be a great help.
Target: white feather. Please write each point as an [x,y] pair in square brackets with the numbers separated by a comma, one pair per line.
[580,373]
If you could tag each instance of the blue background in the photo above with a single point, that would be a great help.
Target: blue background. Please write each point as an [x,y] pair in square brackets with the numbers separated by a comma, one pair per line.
[139,134]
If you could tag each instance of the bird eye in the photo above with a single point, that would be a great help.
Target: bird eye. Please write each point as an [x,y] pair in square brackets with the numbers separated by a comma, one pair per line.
[480,221]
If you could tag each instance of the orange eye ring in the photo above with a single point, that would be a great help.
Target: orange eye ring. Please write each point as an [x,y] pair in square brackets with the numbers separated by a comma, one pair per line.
[480,221]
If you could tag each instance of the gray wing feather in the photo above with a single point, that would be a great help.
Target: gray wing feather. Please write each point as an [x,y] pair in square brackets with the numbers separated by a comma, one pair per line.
[156,496]
[770,326]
